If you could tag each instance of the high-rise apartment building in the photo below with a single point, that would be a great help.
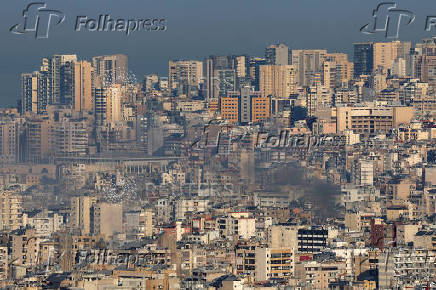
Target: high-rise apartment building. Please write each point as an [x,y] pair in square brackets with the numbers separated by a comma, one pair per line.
[70,137]
[318,97]
[224,81]
[363,58]
[336,70]
[62,80]
[100,106]
[37,133]
[308,64]
[385,53]
[34,93]
[225,64]
[82,78]
[277,54]
[229,107]
[11,210]
[110,69]
[244,106]
[370,56]
[399,68]
[246,258]
[185,74]
[260,106]
[241,66]
[58,134]
[426,46]
[10,141]
[417,94]
[277,80]
[80,214]
[59,78]
[113,104]
[107,104]
[254,71]
[29,92]
[149,135]
[425,70]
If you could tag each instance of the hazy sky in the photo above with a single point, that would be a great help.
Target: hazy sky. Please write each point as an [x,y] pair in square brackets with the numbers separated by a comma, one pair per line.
[196,28]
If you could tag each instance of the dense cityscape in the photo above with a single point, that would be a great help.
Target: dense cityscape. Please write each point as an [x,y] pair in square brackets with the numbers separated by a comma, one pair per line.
[298,169]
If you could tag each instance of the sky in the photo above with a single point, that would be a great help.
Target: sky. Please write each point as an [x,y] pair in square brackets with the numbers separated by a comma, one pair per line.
[195,29]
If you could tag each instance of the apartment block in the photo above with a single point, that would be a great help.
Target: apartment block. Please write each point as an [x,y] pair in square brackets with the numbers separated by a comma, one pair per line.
[371,119]
[277,80]
[11,210]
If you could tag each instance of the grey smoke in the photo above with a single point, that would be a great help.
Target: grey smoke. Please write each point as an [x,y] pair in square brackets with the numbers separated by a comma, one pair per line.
[320,193]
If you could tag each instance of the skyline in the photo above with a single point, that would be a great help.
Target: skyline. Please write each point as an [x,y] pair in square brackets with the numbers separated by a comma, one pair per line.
[163,72]
[239,33]
[218,145]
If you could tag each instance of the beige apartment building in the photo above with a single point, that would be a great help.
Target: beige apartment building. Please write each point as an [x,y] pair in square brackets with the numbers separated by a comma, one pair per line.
[308,64]
[188,72]
[385,53]
[283,236]
[70,137]
[45,137]
[336,70]
[38,131]
[83,87]
[418,95]
[241,66]
[10,140]
[98,218]
[246,258]
[113,104]
[317,97]
[80,215]
[425,68]
[146,222]
[273,263]
[107,219]
[70,244]
[11,210]
[277,80]
[25,248]
[371,119]
[320,275]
